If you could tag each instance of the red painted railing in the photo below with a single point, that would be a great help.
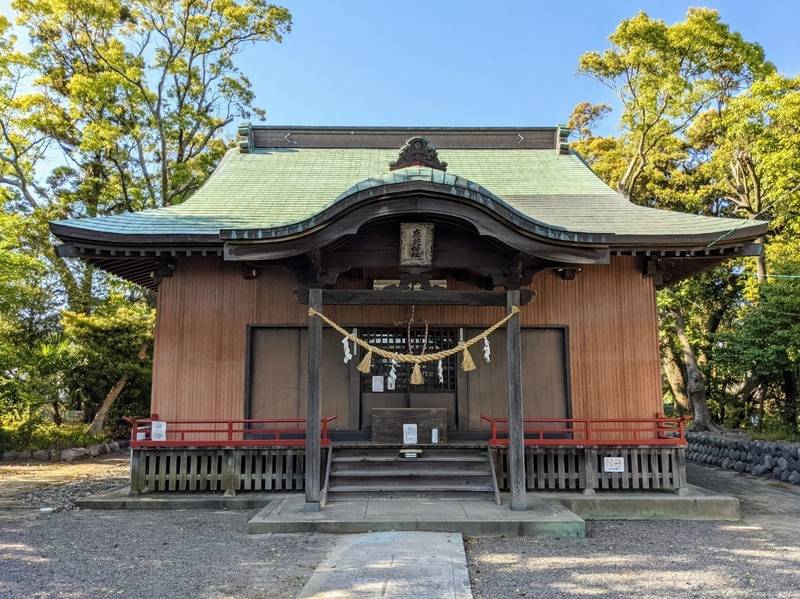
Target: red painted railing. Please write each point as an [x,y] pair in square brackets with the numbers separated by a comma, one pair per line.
[592,431]
[269,432]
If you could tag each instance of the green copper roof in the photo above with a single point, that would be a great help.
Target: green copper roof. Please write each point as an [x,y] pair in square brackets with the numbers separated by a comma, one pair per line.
[272,187]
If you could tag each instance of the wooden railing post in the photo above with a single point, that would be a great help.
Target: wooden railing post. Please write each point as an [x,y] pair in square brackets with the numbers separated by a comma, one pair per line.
[313,415]
[136,463]
[516,435]
[679,471]
[230,473]
[590,469]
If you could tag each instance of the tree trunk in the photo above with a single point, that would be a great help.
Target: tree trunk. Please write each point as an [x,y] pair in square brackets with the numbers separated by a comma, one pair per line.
[673,374]
[695,380]
[100,418]
[57,420]
[761,263]
[789,409]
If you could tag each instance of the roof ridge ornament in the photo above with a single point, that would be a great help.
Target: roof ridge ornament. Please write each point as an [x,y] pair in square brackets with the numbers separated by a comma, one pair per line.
[562,139]
[244,134]
[418,151]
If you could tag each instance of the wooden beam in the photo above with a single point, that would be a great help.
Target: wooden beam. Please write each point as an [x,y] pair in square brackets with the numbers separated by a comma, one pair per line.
[363,297]
[462,393]
[516,436]
[354,387]
[314,412]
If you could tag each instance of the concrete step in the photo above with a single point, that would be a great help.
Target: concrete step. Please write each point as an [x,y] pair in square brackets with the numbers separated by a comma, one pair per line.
[429,482]
[437,495]
[472,518]
[409,472]
[369,486]
[411,466]
[381,473]
[394,452]
[395,457]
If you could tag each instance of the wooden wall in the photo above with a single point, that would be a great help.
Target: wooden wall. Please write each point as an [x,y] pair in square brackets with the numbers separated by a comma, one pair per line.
[205,307]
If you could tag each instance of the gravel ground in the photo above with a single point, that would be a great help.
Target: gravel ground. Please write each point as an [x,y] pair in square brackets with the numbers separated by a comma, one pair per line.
[758,557]
[642,560]
[75,554]
[56,485]
[153,554]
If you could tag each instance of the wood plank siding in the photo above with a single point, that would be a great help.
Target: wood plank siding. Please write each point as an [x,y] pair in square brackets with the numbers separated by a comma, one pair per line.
[207,306]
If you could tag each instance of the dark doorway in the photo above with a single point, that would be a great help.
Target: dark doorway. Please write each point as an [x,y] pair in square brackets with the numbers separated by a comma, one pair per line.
[377,390]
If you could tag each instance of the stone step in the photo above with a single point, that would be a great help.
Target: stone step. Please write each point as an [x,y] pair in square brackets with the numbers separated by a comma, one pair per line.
[394,452]
[456,478]
[381,473]
[410,472]
[424,458]
[369,486]
[334,497]
[431,468]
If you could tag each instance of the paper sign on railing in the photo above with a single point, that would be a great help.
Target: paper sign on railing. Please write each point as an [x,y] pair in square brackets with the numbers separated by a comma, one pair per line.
[158,430]
[615,464]
[409,434]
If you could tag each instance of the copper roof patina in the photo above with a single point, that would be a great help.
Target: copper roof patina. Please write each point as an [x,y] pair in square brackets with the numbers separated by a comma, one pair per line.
[274,189]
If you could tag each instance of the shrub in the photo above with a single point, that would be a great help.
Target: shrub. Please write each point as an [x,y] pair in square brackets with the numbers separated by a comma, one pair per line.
[33,434]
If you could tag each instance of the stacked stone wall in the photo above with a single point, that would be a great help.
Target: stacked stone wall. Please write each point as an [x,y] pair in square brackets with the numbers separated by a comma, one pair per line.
[772,459]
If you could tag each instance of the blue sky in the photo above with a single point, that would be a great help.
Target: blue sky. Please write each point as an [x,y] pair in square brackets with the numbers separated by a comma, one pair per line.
[463,63]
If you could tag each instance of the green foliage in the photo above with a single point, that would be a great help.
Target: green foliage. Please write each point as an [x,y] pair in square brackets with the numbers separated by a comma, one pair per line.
[114,341]
[708,126]
[34,434]
[664,76]
[116,106]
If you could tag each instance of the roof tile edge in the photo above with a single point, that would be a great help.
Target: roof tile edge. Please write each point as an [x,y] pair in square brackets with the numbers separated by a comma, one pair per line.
[273,136]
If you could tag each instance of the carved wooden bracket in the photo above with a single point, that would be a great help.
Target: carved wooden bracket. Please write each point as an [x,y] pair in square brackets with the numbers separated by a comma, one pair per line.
[654,267]
[418,151]
[568,274]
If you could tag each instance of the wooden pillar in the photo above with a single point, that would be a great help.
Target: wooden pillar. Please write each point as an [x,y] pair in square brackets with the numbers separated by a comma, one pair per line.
[679,472]
[230,472]
[354,388]
[516,437]
[314,414]
[136,464]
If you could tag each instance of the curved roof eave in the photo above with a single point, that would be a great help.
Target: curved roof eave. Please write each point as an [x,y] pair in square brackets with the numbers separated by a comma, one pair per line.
[407,181]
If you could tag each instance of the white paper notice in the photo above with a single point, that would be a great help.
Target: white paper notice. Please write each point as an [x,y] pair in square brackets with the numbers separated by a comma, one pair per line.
[158,430]
[409,434]
[614,464]
[377,384]
[390,384]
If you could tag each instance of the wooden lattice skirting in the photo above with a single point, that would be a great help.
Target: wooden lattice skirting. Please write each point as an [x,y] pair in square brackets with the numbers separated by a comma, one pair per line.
[283,469]
[579,468]
[218,470]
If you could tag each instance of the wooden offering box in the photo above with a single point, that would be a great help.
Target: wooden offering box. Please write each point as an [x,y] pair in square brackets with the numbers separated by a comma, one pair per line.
[387,424]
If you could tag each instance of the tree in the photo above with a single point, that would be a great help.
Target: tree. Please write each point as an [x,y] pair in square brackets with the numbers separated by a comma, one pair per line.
[764,345]
[113,346]
[132,102]
[675,84]
[757,159]
[135,98]
[665,75]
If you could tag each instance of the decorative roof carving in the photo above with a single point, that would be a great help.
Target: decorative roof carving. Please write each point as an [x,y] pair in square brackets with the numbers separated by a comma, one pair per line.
[418,151]
[245,137]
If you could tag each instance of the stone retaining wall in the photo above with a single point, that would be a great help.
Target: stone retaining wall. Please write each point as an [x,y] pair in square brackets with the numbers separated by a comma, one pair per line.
[64,455]
[736,452]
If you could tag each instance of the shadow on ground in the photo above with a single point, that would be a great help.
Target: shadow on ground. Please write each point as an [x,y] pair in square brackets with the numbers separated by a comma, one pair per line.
[757,557]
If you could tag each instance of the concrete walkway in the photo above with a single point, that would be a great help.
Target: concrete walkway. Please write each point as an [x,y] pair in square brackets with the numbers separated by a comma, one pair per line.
[765,502]
[471,518]
[394,565]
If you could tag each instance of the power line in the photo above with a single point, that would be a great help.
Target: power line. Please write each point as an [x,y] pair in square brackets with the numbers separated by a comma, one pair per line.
[749,274]
[745,221]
